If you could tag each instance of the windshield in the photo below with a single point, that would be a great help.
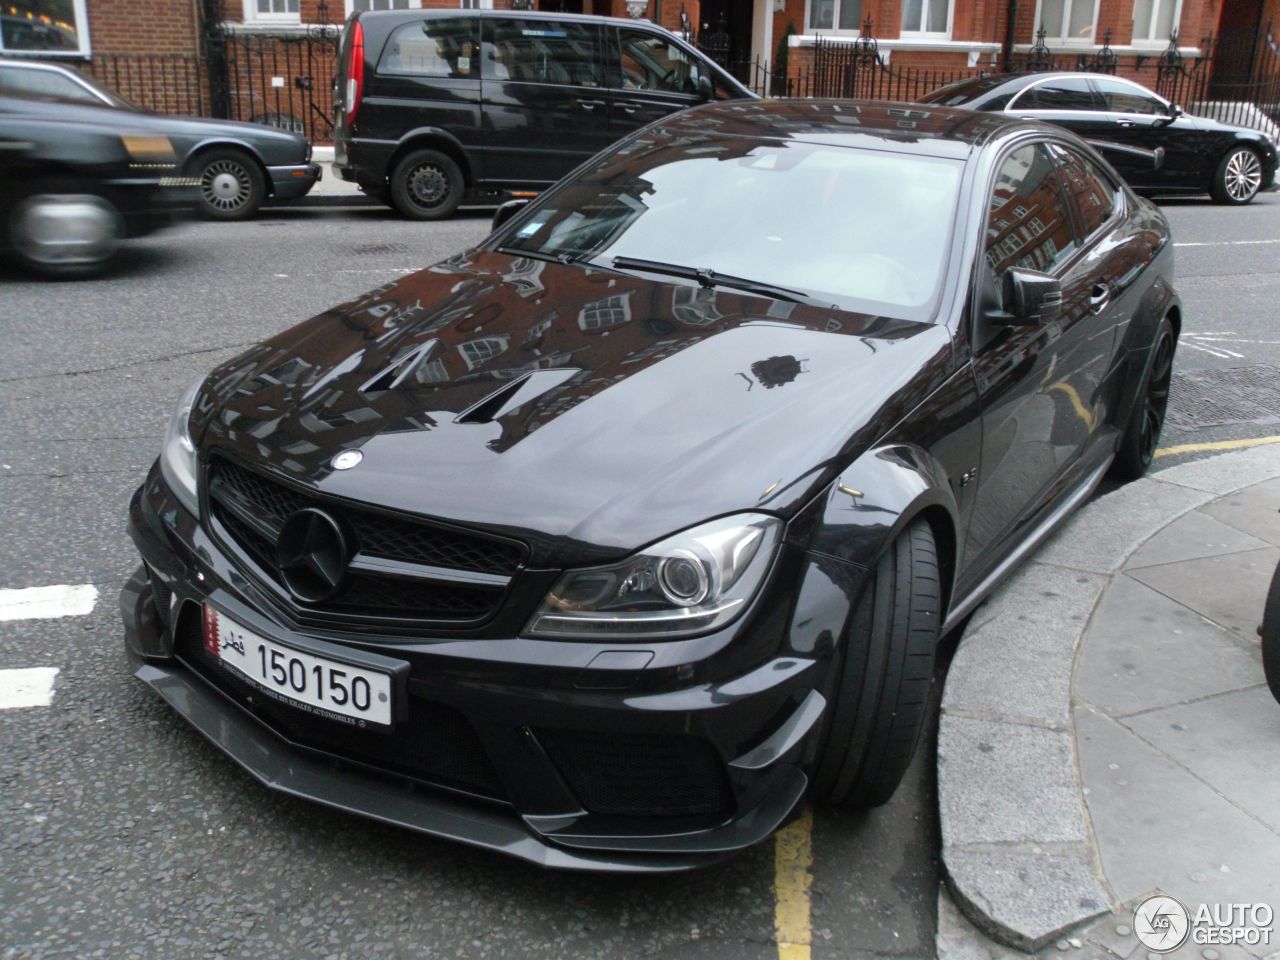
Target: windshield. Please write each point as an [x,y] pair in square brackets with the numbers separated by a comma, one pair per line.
[867,230]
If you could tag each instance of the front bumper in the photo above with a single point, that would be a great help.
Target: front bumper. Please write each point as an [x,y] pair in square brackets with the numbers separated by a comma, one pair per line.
[513,696]
[291,181]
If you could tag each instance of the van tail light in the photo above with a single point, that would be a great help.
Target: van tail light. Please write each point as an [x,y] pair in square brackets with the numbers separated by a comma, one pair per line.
[355,72]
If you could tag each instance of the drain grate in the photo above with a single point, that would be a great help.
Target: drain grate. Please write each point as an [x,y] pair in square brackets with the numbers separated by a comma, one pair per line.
[374,249]
[1208,398]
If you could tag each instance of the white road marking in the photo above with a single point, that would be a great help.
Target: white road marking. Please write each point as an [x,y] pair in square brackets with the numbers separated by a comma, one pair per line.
[27,687]
[1223,243]
[46,603]
[1212,351]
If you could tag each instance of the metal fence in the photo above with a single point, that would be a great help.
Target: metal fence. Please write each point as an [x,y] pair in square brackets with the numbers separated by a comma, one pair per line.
[165,83]
[286,82]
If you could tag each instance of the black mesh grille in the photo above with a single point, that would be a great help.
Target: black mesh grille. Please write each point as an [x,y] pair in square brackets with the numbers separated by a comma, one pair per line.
[234,490]
[644,776]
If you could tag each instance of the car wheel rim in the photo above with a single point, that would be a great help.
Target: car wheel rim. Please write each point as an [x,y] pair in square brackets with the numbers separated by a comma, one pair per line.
[58,231]
[1156,400]
[225,185]
[1243,175]
[428,185]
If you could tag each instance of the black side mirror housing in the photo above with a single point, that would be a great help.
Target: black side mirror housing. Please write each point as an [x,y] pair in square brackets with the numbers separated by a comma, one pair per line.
[1029,296]
[507,211]
[1175,111]
[706,89]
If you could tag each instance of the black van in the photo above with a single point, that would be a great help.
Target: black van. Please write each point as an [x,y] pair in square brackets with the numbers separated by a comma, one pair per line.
[435,104]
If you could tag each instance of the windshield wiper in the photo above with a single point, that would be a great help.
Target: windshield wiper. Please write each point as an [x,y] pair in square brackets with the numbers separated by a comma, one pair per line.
[710,278]
[538,254]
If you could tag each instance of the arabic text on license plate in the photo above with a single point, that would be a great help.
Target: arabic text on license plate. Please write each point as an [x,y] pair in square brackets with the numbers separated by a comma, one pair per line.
[327,688]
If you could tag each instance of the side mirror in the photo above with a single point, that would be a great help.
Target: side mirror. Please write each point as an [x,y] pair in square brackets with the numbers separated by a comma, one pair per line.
[507,211]
[1175,111]
[706,89]
[1029,297]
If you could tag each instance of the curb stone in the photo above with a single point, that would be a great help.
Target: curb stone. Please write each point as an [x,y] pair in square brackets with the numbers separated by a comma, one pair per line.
[1017,844]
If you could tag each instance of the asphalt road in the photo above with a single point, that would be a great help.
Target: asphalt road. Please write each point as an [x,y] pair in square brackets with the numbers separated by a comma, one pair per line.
[122,834]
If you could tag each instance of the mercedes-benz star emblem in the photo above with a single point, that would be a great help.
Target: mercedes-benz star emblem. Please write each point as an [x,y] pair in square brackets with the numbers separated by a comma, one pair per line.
[346,459]
[312,555]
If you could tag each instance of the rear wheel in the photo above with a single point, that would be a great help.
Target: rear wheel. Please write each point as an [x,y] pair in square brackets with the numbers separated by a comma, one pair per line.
[232,186]
[426,185]
[886,677]
[1238,177]
[65,235]
[1142,433]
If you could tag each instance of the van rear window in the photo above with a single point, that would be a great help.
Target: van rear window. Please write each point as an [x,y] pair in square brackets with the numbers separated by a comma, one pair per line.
[432,48]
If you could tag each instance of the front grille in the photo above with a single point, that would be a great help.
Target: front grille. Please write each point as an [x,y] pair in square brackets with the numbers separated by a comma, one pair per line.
[640,776]
[251,509]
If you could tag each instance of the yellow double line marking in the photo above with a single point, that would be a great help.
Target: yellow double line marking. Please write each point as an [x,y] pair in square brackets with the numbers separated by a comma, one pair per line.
[1213,445]
[792,878]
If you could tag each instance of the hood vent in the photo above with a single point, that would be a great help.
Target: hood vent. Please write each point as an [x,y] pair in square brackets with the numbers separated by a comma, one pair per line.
[515,394]
[400,369]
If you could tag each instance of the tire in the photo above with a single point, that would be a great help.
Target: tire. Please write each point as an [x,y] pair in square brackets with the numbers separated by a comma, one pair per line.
[1238,177]
[65,235]
[426,185]
[232,185]
[886,677]
[1270,631]
[1142,432]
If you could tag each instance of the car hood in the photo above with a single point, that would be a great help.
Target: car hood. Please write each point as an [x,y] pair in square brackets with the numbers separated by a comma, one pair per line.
[586,411]
[1208,123]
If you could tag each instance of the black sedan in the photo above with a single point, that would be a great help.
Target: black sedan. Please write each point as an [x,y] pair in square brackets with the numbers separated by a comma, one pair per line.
[237,165]
[603,543]
[70,192]
[1199,155]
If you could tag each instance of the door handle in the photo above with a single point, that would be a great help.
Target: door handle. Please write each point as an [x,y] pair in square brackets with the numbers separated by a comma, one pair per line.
[630,107]
[590,104]
[1124,123]
[1099,297]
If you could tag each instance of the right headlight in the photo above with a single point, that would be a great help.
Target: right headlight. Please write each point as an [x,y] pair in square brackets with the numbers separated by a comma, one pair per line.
[178,455]
[690,583]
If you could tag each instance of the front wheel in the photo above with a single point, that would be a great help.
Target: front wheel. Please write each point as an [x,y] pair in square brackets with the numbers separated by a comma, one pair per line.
[886,678]
[65,235]
[1142,433]
[1238,177]
[426,185]
[1270,632]
[232,186]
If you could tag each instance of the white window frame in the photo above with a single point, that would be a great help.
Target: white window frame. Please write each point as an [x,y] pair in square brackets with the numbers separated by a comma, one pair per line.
[251,14]
[1150,41]
[82,35]
[933,34]
[1067,41]
[475,4]
[349,6]
[809,28]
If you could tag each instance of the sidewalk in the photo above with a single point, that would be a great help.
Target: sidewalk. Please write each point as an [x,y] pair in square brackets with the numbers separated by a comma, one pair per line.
[1106,730]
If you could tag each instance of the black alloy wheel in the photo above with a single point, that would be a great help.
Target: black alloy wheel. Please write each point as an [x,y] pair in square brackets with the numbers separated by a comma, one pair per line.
[426,185]
[1270,633]
[1142,434]
[1238,177]
[232,186]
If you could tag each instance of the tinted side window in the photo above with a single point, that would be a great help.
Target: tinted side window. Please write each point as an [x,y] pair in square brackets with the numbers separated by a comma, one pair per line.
[1068,93]
[43,83]
[1122,98]
[652,63]
[1027,223]
[542,51]
[432,48]
[1091,193]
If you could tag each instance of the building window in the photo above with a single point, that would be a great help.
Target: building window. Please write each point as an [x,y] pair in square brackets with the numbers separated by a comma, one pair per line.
[476,4]
[609,312]
[47,27]
[476,352]
[277,11]
[926,17]
[361,5]
[841,15]
[1155,20]
[1067,21]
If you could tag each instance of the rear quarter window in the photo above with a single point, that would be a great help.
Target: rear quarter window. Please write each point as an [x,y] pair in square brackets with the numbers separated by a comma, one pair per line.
[444,47]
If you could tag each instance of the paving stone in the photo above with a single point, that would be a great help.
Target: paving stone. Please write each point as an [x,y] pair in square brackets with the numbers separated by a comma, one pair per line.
[1255,510]
[959,939]
[1017,663]
[1226,473]
[1230,590]
[1103,535]
[1158,827]
[1194,535]
[1006,783]
[1144,650]
[1026,898]
[1232,742]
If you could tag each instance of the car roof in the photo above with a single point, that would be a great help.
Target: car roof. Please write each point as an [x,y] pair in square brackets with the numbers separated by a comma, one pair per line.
[905,127]
[392,17]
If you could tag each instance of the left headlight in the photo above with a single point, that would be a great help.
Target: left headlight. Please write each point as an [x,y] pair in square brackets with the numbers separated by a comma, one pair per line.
[178,456]
[690,583]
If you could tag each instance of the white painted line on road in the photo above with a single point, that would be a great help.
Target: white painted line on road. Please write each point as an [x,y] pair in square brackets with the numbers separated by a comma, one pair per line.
[1223,243]
[47,603]
[26,687]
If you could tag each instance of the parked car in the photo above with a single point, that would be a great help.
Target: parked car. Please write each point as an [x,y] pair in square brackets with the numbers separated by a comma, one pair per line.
[70,192]
[1200,155]
[238,165]
[616,538]
[433,104]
